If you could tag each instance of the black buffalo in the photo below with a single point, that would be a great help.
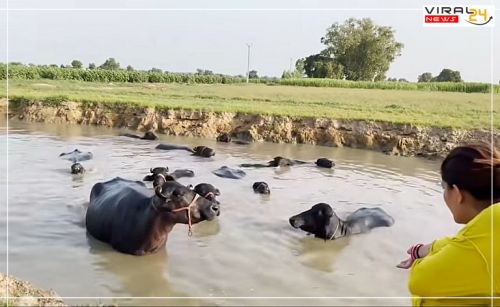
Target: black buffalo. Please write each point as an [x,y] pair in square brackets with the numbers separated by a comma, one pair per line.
[261,188]
[147,136]
[200,151]
[136,220]
[322,221]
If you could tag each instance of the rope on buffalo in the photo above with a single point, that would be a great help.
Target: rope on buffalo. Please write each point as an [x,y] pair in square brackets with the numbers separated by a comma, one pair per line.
[188,209]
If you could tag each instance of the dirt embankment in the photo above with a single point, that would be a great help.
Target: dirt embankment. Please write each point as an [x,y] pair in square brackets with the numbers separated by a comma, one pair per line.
[394,139]
[22,293]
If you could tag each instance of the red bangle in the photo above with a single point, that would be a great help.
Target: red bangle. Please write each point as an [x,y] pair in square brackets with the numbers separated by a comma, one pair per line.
[417,249]
[414,251]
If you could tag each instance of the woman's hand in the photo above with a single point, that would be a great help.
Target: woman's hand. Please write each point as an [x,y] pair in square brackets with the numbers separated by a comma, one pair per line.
[415,252]
[406,264]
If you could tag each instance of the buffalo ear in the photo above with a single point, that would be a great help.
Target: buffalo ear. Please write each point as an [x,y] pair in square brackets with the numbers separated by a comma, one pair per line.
[148,178]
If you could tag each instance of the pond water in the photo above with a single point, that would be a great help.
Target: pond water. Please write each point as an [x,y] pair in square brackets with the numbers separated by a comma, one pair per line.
[249,255]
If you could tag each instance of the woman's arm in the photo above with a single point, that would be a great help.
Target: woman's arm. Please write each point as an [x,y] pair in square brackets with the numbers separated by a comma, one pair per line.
[423,251]
[456,269]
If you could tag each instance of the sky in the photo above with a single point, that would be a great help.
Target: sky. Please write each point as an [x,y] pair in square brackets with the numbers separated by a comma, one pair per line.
[181,36]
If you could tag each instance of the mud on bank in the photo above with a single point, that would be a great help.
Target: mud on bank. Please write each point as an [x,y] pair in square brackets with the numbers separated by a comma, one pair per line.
[394,139]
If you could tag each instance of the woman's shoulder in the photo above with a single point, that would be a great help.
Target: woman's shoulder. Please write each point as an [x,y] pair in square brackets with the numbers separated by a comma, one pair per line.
[478,230]
[482,223]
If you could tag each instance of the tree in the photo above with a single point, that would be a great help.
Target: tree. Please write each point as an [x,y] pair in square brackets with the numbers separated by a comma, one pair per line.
[297,73]
[91,66]
[252,74]
[130,68]
[157,70]
[299,68]
[76,64]
[448,75]
[286,74]
[290,74]
[364,49]
[204,72]
[402,80]
[425,77]
[110,64]
[319,66]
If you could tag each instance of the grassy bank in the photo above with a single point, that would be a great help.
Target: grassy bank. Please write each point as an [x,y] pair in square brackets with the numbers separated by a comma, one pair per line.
[441,109]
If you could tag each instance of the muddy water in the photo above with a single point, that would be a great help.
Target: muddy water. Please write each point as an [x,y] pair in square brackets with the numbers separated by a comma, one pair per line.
[249,252]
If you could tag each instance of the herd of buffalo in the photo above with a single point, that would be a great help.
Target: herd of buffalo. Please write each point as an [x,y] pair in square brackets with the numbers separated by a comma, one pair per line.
[135,219]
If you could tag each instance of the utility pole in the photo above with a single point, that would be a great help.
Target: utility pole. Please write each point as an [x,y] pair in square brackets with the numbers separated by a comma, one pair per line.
[248,62]
[291,65]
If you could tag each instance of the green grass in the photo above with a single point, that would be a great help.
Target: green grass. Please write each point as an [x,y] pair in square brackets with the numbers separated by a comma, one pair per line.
[426,108]
[464,87]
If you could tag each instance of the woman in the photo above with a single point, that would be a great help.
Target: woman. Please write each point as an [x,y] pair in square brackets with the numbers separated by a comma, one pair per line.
[446,271]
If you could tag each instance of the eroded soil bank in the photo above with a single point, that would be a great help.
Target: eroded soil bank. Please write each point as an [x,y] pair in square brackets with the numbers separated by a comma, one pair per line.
[22,293]
[394,139]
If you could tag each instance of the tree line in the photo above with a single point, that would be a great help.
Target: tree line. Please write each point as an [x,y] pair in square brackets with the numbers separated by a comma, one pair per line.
[112,64]
[111,71]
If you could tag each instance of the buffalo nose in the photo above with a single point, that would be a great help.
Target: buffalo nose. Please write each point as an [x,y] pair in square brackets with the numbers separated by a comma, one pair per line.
[215,208]
[295,221]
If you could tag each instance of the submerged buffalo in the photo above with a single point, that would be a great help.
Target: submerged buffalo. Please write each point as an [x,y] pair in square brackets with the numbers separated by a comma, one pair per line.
[160,175]
[227,172]
[277,161]
[207,190]
[76,156]
[226,138]
[261,188]
[200,151]
[179,173]
[283,162]
[77,168]
[324,162]
[136,220]
[147,136]
[322,221]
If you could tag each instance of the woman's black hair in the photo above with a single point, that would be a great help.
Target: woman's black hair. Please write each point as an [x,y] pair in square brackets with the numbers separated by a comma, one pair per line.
[474,168]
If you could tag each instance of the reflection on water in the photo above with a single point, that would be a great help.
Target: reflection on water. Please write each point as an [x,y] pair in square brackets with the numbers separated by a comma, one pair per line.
[249,251]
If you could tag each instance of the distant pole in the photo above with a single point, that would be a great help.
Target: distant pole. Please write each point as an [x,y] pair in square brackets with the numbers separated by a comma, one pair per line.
[248,62]
[291,64]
